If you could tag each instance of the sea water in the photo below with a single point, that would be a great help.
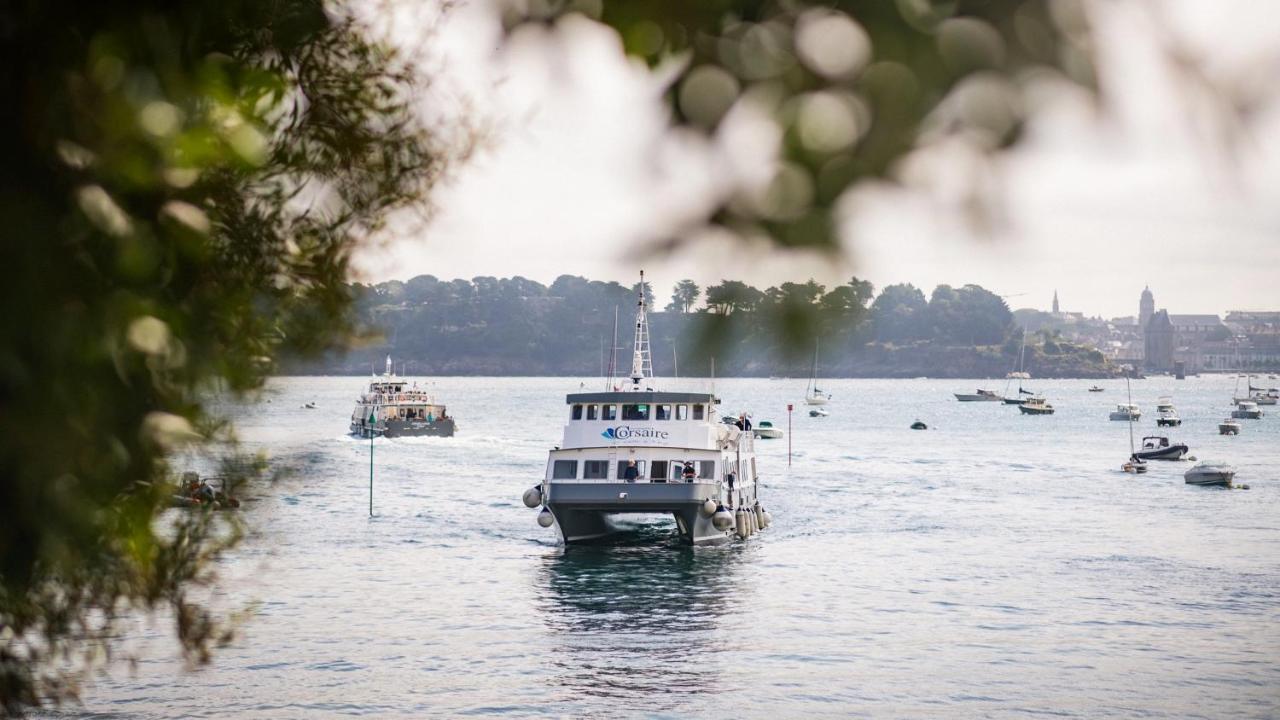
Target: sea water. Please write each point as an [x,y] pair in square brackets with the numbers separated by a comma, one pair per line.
[994,565]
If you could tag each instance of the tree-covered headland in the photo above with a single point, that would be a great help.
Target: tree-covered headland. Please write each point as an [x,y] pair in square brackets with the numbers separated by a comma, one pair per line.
[516,326]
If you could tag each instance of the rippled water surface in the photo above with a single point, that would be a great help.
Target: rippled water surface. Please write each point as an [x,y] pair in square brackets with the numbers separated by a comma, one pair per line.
[994,565]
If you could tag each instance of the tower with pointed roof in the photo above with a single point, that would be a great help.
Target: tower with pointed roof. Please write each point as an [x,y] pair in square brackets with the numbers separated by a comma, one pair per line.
[1055,302]
[1146,307]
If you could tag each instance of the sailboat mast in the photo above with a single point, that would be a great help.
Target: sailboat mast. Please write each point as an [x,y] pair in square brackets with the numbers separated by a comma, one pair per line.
[1129,392]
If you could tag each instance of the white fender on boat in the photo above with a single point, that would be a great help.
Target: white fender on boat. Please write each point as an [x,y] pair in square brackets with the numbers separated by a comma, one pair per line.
[545,518]
[759,513]
[533,497]
[740,523]
[708,508]
[722,519]
[768,519]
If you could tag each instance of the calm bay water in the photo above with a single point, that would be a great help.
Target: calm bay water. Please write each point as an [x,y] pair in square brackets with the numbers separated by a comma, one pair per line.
[994,565]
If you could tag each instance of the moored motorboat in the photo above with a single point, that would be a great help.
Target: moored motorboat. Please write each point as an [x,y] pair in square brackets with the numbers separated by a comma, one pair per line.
[1035,406]
[1166,414]
[979,396]
[765,430]
[1126,412]
[1229,426]
[392,407]
[1210,474]
[1095,388]
[1246,410]
[819,412]
[638,450]
[918,425]
[1157,447]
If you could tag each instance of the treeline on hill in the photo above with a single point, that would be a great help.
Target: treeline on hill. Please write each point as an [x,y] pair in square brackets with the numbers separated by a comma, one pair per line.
[516,326]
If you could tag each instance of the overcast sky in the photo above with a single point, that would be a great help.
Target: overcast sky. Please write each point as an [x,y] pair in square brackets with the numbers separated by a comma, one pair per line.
[1096,206]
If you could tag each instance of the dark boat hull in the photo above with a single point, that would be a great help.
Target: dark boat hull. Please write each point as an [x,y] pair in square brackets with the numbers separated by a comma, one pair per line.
[1168,422]
[411,428]
[1173,452]
[1034,410]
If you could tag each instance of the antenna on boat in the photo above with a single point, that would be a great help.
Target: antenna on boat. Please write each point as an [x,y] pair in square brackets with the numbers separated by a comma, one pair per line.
[613,353]
[641,361]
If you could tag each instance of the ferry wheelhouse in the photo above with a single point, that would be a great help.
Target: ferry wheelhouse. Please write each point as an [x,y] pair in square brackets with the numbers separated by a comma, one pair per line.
[633,449]
[392,407]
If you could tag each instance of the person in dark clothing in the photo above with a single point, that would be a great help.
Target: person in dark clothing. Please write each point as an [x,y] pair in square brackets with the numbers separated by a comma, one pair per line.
[632,472]
[688,472]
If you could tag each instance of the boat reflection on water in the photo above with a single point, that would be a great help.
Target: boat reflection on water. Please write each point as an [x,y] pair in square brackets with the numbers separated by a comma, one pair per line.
[640,618]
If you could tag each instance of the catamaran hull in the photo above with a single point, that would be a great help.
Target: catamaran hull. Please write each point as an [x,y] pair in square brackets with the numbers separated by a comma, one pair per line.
[582,511]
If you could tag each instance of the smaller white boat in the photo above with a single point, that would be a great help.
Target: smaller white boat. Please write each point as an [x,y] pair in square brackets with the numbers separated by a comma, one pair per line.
[1210,473]
[818,412]
[1246,410]
[1095,388]
[1135,466]
[1126,412]
[1229,426]
[1166,414]
[765,430]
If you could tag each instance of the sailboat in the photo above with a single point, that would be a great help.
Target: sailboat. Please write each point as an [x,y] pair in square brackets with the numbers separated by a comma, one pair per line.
[1019,374]
[1134,464]
[812,395]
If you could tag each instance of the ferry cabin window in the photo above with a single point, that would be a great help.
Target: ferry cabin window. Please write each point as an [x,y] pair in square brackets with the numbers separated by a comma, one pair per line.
[595,469]
[564,470]
[608,412]
[697,411]
[662,412]
[635,412]
[682,412]
[622,469]
[577,412]
[591,412]
[707,469]
[659,473]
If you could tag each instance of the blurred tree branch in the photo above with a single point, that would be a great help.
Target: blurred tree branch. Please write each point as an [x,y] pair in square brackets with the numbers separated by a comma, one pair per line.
[183,187]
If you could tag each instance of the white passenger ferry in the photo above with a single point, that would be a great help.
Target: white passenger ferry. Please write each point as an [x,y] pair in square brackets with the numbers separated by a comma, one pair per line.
[392,407]
[635,449]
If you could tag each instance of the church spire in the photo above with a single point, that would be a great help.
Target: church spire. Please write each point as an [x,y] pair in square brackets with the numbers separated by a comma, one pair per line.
[1055,302]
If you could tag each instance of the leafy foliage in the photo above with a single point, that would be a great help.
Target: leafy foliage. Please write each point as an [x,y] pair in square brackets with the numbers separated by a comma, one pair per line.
[182,187]
[852,87]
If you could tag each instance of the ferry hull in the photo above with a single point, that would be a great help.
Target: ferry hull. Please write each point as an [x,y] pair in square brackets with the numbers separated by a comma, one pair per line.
[582,510]
[409,428]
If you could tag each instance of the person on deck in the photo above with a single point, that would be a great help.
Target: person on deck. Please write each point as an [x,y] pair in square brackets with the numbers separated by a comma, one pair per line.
[688,473]
[632,472]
